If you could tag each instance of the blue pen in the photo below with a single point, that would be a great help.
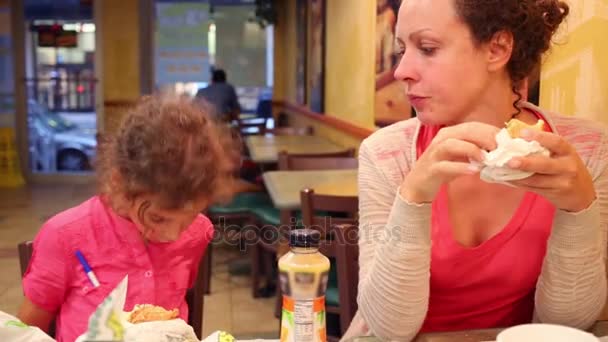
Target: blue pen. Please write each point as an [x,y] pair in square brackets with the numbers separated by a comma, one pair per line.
[87,269]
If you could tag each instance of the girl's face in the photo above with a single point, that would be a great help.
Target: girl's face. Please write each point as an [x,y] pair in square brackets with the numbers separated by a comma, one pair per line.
[157,224]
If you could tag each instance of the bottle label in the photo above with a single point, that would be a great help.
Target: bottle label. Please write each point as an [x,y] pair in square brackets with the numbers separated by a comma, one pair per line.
[303,320]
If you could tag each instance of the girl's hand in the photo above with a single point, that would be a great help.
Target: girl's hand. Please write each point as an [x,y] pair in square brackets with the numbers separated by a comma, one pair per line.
[561,178]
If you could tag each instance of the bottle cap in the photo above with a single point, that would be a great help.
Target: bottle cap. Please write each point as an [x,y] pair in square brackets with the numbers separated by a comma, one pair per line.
[304,238]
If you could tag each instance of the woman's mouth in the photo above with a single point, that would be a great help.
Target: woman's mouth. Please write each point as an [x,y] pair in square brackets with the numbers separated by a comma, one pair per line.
[417,101]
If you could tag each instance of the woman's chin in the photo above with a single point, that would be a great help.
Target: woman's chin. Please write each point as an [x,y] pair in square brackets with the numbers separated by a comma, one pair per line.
[430,118]
[426,118]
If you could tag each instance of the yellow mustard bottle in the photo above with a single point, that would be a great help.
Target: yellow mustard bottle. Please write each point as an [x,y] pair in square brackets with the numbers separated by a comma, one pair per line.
[303,274]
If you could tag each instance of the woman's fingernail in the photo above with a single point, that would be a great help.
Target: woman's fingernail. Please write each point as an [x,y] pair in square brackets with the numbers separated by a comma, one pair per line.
[474,168]
[515,163]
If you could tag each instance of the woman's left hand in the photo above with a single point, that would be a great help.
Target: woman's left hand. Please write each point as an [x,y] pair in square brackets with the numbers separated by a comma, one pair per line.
[561,178]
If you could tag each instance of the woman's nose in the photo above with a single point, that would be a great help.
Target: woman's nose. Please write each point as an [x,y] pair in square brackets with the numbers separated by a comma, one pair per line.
[406,69]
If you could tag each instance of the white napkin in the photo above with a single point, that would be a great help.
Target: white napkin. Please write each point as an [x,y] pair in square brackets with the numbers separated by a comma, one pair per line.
[174,330]
[106,323]
[12,329]
[494,167]
[109,323]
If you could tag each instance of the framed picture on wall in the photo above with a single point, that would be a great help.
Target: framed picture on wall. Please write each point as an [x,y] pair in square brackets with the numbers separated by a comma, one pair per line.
[316,55]
[391,104]
[302,44]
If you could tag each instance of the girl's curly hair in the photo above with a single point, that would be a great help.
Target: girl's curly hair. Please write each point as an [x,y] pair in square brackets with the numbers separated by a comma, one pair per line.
[169,147]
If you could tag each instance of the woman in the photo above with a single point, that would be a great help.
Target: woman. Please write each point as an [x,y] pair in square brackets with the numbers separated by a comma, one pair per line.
[440,250]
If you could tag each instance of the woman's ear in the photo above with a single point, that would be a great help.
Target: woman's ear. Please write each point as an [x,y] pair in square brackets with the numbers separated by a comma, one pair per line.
[499,50]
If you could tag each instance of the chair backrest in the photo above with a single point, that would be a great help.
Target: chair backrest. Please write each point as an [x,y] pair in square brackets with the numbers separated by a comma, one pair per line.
[26,249]
[194,296]
[346,239]
[321,212]
[254,126]
[308,130]
[25,254]
[340,160]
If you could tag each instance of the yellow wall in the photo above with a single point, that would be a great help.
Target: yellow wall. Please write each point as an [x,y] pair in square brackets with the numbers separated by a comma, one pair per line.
[349,68]
[331,133]
[284,87]
[574,78]
[350,61]
[118,47]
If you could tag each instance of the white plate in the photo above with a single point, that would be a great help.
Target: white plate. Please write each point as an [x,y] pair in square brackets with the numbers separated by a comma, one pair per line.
[544,332]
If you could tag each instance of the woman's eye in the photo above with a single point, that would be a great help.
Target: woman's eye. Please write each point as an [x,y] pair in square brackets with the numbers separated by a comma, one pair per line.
[429,51]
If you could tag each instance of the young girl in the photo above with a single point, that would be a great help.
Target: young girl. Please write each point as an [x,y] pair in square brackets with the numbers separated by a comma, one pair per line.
[161,169]
[442,250]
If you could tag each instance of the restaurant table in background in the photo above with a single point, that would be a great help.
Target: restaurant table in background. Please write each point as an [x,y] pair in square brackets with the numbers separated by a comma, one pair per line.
[284,186]
[264,149]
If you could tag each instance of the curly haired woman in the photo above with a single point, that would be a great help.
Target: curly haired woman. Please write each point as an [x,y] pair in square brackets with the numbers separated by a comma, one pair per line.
[442,250]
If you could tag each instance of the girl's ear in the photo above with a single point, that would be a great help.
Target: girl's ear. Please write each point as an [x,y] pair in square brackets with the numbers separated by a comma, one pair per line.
[115,180]
[116,188]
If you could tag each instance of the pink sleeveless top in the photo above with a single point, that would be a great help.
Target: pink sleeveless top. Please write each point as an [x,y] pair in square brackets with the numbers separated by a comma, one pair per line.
[493,284]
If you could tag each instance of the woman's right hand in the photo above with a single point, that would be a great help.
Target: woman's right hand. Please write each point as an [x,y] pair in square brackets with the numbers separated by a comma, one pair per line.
[446,158]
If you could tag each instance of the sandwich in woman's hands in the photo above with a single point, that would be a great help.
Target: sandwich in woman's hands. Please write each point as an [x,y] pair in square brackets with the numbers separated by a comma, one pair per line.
[514,127]
[494,167]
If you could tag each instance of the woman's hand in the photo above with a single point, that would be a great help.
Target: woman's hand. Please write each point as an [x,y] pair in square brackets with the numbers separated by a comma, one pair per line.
[446,158]
[561,178]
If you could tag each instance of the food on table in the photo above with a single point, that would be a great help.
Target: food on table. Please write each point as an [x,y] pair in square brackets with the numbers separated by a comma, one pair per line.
[148,312]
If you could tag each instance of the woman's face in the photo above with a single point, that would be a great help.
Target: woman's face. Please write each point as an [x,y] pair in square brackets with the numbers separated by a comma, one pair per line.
[444,72]
[157,224]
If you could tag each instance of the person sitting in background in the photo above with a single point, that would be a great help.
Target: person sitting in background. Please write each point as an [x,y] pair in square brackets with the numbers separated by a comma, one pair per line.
[164,166]
[442,250]
[232,141]
[222,96]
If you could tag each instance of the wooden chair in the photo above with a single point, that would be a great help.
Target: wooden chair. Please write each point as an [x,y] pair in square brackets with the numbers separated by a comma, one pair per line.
[320,161]
[273,223]
[345,210]
[25,250]
[251,126]
[346,246]
[337,212]
[194,296]
[308,130]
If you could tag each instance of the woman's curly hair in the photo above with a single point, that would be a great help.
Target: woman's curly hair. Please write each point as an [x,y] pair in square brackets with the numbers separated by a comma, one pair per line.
[531,22]
[169,147]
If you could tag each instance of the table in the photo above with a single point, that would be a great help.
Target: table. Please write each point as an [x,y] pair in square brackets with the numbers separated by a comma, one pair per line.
[599,329]
[265,149]
[284,186]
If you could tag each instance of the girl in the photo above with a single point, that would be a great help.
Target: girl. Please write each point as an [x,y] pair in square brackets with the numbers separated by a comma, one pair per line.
[439,248]
[162,168]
